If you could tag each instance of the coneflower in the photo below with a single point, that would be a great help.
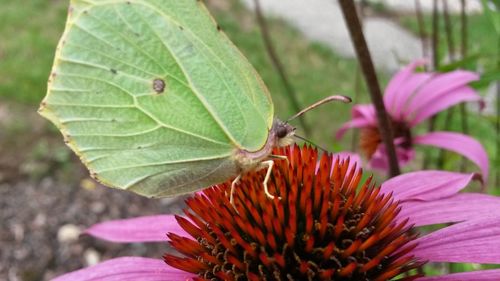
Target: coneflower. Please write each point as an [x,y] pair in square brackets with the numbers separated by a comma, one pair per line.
[411,98]
[323,228]
[328,225]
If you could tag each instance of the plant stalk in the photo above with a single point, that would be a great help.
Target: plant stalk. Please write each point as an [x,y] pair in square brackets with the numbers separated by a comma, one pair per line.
[435,35]
[435,65]
[357,81]
[421,29]
[364,58]
[271,52]
[451,56]
[463,52]
[357,90]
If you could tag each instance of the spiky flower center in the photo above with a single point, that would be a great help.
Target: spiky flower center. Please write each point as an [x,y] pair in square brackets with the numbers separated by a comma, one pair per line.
[370,137]
[322,228]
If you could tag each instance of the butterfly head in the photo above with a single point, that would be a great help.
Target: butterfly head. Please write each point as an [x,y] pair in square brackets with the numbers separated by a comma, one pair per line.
[283,132]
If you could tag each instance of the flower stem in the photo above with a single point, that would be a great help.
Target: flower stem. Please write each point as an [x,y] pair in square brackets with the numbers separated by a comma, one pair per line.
[435,66]
[449,32]
[463,51]
[451,56]
[357,82]
[271,52]
[435,35]
[463,28]
[421,29]
[357,89]
[358,39]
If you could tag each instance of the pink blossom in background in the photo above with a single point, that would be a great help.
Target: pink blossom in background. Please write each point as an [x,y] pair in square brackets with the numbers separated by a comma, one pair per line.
[411,98]
[425,198]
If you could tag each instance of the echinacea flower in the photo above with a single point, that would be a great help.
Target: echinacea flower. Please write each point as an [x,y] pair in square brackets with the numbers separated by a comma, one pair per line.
[410,98]
[328,225]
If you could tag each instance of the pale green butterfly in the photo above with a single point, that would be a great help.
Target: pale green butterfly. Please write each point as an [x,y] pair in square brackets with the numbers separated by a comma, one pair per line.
[155,99]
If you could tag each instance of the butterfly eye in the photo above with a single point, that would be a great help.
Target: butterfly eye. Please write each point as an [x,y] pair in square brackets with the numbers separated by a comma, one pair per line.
[281,132]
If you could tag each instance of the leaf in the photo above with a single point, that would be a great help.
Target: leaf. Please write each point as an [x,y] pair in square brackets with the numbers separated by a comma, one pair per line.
[468,62]
[486,79]
[491,10]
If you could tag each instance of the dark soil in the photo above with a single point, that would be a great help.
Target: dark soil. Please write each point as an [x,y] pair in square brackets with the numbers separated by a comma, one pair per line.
[43,187]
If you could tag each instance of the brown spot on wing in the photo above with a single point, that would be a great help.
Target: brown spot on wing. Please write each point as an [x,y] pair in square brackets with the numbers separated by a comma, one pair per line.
[159,85]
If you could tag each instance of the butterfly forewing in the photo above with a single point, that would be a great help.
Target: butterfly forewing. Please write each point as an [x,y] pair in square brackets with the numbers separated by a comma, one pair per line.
[153,97]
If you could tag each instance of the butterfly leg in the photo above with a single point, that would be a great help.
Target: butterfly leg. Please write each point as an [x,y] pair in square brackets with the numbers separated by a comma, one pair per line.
[280,157]
[269,164]
[233,185]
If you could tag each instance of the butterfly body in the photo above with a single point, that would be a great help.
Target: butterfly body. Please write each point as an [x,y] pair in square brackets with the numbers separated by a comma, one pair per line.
[155,99]
[280,135]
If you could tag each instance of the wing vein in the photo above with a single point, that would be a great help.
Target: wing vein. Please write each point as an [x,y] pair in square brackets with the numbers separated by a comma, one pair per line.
[93,105]
[95,51]
[118,135]
[120,35]
[103,67]
[165,163]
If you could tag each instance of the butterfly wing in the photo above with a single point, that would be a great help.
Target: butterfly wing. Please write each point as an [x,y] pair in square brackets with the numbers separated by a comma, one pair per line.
[153,97]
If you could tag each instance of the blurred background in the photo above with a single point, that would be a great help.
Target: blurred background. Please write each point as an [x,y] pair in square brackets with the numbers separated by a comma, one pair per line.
[46,195]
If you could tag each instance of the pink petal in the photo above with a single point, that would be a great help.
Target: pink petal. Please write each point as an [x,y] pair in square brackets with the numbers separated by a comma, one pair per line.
[128,268]
[363,115]
[481,275]
[443,102]
[364,111]
[354,160]
[354,123]
[400,110]
[461,144]
[426,185]
[353,157]
[380,161]
[475,241]
[141,229]
[397,83]
[457,208]
[439,85]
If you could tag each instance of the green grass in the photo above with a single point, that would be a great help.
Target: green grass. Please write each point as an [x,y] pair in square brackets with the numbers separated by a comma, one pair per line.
[29,31]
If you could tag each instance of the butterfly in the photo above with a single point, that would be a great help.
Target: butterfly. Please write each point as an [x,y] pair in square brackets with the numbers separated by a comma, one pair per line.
[155,99]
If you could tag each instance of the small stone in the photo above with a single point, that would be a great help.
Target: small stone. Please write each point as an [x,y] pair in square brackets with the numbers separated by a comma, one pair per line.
[21,254]
[97,207]
[18,231]
[91,257]
[68,233]
[40,220]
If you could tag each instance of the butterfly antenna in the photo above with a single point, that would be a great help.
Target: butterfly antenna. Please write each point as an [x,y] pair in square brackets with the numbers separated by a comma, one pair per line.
[341,98]
[308,141]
